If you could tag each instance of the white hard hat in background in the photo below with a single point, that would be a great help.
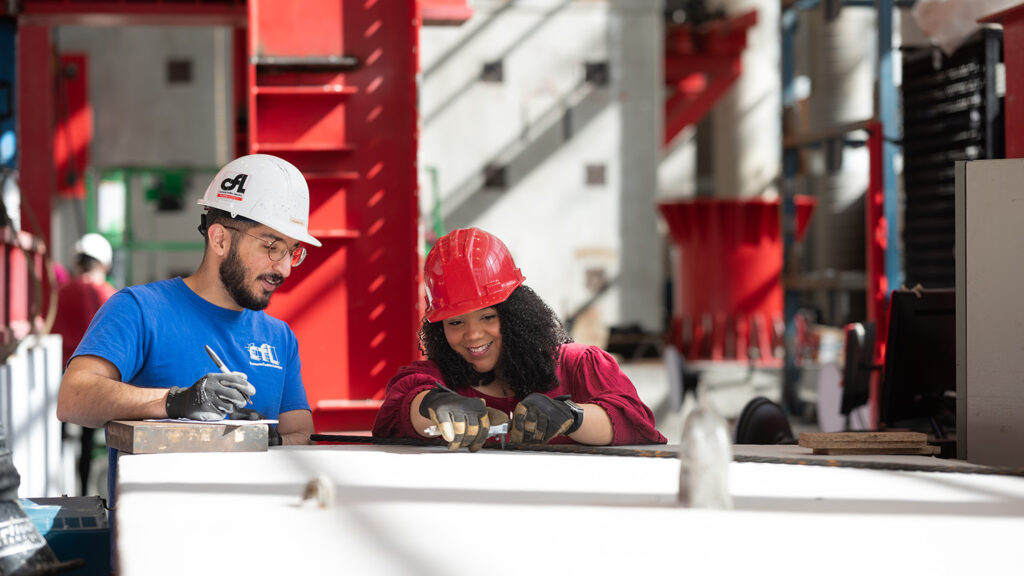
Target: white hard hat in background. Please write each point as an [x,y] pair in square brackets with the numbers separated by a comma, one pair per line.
[266,189]
[95,246]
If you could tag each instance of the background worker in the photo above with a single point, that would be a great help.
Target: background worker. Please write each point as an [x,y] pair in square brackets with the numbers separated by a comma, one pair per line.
[144,356]
[495,348]
[77,302]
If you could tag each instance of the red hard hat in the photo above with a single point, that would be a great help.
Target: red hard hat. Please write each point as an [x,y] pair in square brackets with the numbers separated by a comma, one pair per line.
[467,270]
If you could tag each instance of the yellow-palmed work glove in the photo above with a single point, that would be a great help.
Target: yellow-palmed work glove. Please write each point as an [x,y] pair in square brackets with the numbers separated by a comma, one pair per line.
[463,422]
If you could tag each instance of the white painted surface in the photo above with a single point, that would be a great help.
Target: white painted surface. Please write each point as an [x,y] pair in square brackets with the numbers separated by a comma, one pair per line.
[403,510]
[29,381]
[140,118]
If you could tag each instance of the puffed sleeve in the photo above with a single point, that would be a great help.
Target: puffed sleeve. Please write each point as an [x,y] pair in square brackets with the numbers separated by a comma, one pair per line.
[393,419]
[592,376]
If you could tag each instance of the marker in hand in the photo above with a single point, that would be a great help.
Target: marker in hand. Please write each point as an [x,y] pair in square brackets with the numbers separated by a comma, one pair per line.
[220,364]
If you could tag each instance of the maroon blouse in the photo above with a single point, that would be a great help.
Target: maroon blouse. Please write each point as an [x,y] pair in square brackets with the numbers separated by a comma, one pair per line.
[587,373]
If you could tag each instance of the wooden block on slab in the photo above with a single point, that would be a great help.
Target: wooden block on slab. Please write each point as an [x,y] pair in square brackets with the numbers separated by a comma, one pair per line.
[922,450]
[141,437]
[850,443]
[863,439]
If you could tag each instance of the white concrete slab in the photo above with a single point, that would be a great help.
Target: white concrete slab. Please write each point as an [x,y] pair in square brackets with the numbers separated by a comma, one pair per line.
[406,510]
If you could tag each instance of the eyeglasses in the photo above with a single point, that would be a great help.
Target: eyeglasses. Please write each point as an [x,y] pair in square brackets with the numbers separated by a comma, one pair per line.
[276,249]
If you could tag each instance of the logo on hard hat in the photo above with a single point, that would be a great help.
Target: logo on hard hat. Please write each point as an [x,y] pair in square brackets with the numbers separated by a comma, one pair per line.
[233,188]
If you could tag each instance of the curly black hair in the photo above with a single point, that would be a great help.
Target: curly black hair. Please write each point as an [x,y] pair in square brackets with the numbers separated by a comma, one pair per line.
[531,335]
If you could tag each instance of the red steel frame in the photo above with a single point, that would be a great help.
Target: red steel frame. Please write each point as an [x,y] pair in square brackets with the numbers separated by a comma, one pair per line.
[441,12]
[26,287]
[73,125]
[701,64]
[354,304]
[136,12]
[876,236]
[23,276]
[36,123]
[353,133]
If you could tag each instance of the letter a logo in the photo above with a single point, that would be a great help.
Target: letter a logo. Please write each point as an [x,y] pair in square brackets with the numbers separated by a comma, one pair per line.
[233,188]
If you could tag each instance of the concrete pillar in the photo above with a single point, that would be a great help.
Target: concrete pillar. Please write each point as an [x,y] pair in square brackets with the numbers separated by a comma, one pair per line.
[636,48]
[747,121]
[841,65]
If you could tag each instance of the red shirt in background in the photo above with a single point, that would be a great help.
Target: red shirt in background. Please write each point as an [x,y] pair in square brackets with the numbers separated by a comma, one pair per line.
[77,303]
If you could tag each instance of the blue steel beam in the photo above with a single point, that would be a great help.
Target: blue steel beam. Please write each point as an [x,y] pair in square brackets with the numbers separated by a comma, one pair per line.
[790,160]
[8,89]
[888,112]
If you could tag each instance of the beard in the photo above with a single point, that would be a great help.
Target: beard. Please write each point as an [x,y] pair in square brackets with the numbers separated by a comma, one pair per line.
[232,275]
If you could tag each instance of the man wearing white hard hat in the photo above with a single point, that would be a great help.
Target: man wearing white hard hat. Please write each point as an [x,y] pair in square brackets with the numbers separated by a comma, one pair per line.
[144,356]
[77,303]
[82,296]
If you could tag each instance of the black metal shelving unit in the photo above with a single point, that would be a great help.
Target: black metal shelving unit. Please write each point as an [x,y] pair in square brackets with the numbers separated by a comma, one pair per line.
[952,110]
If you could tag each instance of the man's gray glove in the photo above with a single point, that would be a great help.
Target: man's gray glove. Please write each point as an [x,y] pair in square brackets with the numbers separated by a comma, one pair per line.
[539,418]
[462,421]
[212,397]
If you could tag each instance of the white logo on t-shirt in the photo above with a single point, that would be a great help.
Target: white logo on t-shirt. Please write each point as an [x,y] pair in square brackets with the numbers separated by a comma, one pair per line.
[263,355]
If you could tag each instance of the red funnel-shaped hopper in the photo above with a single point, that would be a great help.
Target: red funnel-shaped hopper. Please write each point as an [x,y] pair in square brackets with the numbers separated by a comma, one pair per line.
[728,294]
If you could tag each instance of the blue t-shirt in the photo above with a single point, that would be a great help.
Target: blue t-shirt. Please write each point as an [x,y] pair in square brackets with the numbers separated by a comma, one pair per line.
[155,335]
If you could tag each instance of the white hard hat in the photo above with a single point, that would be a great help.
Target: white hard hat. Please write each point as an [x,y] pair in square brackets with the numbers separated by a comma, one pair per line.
[265,189]
[95,246]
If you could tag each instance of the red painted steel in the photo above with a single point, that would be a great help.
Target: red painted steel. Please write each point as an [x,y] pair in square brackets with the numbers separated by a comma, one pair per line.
[23,279]
[877,231]
[877,236]
[354,303]
[1012,20]
[94,8]
[74,125]
[36,106]
[37,175]
[701,64]
[301,29]
[7,339]
[444,12]
[728,294]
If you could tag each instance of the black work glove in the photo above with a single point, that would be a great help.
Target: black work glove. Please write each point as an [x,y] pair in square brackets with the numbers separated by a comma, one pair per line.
[245,414]
[539,418]
[462,421]
[273,438]
[211,398]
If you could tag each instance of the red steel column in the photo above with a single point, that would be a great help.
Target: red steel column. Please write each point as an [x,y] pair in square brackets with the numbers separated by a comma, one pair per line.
[35,129]
[877,239]
[332,90]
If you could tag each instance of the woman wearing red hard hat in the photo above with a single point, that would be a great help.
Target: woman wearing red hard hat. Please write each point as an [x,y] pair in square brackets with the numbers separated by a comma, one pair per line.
[494,348]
